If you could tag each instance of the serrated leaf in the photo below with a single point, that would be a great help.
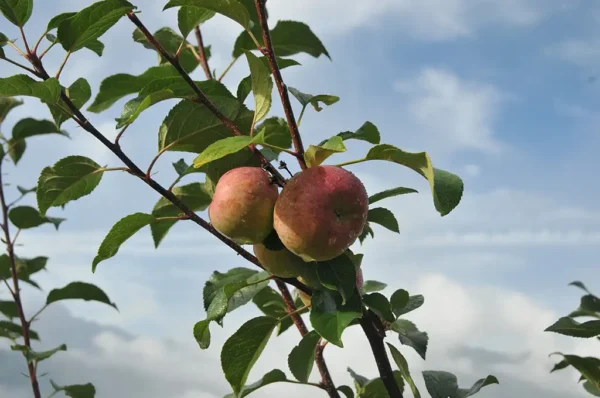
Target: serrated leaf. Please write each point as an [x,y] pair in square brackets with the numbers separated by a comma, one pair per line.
[26,128]
[262,87]
[373,286]
[367,132]
[589,367]
[9,309]
[79,93]
[189,17]
[329,317]
[383,217]
[245,85]
[120,85]
[379,304]
[338,274]
[124,229]
[69,179]
[276,132]
[271,304]
[16,11]
[218,279]
[588,306]
[390,193]
[414,302]
[314,100]
[17,329]
[232,9]
[403,367]
[442,384]
[241,351]
[76,390]
[85,27]
[271,377]
[79,291]
[7,103]
[302,357]
[222,148]
[47,91]
[315,155]
[411,336]
[202,333]
[194,195]
[570,327]
[37,356]
[25,217]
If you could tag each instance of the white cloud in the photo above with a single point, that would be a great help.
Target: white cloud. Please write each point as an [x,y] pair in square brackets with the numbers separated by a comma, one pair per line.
[580,52]
[472,170]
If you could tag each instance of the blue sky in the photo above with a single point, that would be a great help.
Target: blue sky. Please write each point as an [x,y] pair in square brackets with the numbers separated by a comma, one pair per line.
[497,91]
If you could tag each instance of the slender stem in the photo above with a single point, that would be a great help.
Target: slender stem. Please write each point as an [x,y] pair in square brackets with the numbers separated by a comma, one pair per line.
[113,169]
[281,87]
[301,114]
[202,60]
[228,68]
[37,314]
[46,50]
[153,162]
[38,42]
[24,40]
[326,380]
[375,333]
[10,61]
[174,183]
[202,97]
[294,312]
[64,62]
[351,162]
[16,292]
[17,49]
[118,137]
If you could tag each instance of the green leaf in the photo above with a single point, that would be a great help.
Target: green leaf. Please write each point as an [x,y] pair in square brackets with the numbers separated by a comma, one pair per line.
[25,217]
[194,195]
[69,179]
[47,91]
[181,167]
[302,357]
[309,99]
[580,285]
[390,193]
[589,367]
[315,155]
[589,306]
[189,17]
[403,367]
[411,336]
[442,384]
[383,217]
[399,301]
[271,304]
[359,381]
[9,309]
[16,11]
[171,42]
[366,231]
[17,329]
[245,86]
[79,291]
[376,389]
[276,132]
[25,191]
[35,356]
[447,188]
[76,390]
[414,302]
[202,333]
[89,24]
[120,85]
[367,132]
[329,317]
[379,304]
[25,268]
[79,93]
[218,280]
[26,128]
[3,41]
[7,104]
[570,327]
[124,229]
[230,8]
[262,87]
[592,388]
[373,286]
[222,148]
[338,274]
[241,351]
[347,391]
[56,20]
[96,46]
[271,377]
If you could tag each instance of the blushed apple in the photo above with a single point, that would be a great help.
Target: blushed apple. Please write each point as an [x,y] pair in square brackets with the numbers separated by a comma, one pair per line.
[320,212]
[242,205]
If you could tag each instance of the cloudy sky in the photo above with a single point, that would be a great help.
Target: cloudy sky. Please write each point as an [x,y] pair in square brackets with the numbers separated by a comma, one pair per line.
[502,93]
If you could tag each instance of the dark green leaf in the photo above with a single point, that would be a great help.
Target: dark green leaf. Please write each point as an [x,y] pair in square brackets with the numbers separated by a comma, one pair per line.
[376,389]
[3,41]
[367,132]
[96,46]
[124,229]
[379,304]
[245,86]
[181,167]
[329,317]
[302,357]
[271,377]
[383,217]
[315,155]
[579,285]
[399,301]
[271,304]
[592,388]
[570,327]
[241,351]
[9,309]
[411,336]
[25,191]
[76,390]
[202,333]
[306,99]
[89,24]
[230,8]
[338,274]
[25,268]
[189,17]
[56,20]
[373,286]
[79,93]
[16,11]
[441,384]
[347,391]
[359,381]
[403,367]
[69,179]
[218,280]
[28,217]
[17,329]
[366,231]
[262,86]
[276,132]
[390,193]
[26,128]
[47,91]
[589,367]
[7,104]
[35,356]
[79,291]
[414,302]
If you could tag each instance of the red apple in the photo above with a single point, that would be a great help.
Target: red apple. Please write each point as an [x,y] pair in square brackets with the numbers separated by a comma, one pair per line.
[242,205]
[282,263]
[320,212]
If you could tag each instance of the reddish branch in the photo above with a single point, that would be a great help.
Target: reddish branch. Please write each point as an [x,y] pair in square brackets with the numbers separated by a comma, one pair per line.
[15,291]
[202,53]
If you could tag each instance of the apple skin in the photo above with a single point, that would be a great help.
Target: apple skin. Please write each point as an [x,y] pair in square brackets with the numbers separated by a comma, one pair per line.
[282,263]
[242,205]
[320,212]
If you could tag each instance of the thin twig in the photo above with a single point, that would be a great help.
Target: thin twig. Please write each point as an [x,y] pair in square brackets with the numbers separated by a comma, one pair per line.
[17,49]
[16,292]
[269,53]
[10,61]
[24,40]
[202,60]
[228,68]
[118,137]
[64,62]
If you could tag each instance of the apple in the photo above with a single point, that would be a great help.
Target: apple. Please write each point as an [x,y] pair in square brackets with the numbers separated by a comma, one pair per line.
[242,205]
[282,263]
[320,212]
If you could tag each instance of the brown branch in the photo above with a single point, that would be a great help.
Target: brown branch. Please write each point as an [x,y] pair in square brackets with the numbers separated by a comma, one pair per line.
[269,53]
[202,53]
[15,291]
[202,97]
[326,380]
